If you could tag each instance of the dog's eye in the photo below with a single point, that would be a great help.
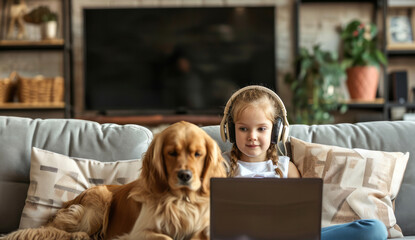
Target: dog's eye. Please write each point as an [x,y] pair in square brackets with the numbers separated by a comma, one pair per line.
[173,153]
[197,154]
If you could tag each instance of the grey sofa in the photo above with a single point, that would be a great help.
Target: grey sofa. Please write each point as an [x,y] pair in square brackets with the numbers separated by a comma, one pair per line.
[76,138]
[108,142]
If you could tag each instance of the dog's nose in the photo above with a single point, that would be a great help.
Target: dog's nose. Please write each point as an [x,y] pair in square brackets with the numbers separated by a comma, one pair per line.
[184,175]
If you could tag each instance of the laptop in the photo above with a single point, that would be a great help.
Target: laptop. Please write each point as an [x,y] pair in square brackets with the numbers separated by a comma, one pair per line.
[265,208]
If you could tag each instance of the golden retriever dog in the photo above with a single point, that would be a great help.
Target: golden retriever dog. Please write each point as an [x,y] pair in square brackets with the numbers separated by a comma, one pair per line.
[169,200]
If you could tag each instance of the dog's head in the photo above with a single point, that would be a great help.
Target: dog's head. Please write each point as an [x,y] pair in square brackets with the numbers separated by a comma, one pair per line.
[182,157]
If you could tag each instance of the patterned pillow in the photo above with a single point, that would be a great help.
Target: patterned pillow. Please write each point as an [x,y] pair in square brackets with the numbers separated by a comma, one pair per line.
[56,178]
[358,183]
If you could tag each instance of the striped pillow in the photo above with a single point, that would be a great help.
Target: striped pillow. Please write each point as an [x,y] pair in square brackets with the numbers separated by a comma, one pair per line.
[56,178]
[358,183]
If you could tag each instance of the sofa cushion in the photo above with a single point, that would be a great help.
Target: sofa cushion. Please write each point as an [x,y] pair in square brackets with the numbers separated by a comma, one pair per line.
[391,136]
[56,178]
[71,137]
[358,183]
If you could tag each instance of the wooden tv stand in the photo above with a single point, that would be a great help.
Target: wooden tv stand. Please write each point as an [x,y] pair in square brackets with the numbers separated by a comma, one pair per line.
[157,119]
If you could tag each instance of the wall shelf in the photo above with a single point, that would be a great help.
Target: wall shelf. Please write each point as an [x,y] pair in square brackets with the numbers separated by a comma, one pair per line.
[401,53]
[62,45]
[55,44]
[406,105]
[339,1]
[396,50]
[401,50]
[401,47]
[391,50]
[18,105]
[377,103]
[379,8]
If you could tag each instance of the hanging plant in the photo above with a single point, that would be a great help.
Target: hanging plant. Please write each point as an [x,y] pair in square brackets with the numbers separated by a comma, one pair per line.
[316,89]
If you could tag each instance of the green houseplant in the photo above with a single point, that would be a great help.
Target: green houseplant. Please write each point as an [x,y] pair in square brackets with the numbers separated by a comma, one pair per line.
[47,20]
[362,59]
[40,15]
[316,87]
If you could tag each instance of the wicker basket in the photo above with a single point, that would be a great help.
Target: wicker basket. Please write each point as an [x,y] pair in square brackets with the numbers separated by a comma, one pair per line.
[58,89]
[40,89]
[6,90]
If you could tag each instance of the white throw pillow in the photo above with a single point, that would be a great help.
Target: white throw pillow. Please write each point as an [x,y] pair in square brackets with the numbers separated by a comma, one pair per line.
[56,178]
[358,183]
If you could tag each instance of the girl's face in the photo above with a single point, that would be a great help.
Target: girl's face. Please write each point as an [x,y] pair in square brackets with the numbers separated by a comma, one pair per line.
[253,134]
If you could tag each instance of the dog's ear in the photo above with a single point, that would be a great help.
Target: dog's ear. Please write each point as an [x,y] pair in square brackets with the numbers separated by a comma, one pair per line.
[153,171]
[214,164]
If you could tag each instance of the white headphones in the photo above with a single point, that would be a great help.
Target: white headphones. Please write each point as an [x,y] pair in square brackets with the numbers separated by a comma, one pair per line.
[280,133]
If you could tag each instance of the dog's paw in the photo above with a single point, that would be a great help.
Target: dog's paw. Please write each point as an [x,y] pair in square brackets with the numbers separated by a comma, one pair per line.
[80,236]
[152,236]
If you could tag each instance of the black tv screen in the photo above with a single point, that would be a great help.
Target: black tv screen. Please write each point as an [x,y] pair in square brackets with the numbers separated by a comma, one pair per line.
[170,60]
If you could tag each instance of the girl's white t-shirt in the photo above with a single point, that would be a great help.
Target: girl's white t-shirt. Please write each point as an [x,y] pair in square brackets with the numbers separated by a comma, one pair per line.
[260,169]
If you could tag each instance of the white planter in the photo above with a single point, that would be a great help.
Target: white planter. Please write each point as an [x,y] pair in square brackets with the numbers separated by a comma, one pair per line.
[49,30]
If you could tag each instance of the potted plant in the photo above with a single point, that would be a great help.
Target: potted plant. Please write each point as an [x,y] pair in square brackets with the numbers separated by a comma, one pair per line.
[316,89]
[47,20]
[362,59]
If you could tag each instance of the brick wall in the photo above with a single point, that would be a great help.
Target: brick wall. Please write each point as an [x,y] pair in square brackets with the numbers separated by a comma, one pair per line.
[318,25]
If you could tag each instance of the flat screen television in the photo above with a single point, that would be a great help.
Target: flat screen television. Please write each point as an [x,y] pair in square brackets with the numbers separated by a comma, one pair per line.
[175,60]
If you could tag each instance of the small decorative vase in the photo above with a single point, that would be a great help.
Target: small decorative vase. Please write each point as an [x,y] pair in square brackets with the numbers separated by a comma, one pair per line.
[49,30]
[362,82]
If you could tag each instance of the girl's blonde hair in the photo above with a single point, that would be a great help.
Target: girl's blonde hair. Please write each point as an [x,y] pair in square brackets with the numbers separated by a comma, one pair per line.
[261,100]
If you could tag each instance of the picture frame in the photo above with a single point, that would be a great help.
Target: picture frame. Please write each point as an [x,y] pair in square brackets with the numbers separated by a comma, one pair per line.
[400,29]
[400,32]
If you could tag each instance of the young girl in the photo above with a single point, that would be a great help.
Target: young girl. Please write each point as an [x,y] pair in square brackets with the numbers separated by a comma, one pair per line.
[255,121]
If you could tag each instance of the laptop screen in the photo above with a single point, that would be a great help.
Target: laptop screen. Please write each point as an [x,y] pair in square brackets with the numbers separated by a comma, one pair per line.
[265,208]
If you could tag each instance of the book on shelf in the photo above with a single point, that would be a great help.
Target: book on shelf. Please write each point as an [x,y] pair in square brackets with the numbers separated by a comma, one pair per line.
[398,86]
[409,117]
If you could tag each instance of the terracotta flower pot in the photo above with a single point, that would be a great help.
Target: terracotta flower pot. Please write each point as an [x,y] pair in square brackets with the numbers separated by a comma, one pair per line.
[362,82]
